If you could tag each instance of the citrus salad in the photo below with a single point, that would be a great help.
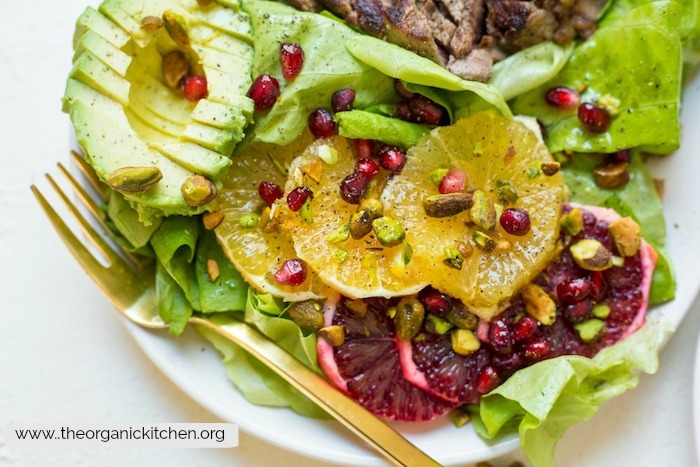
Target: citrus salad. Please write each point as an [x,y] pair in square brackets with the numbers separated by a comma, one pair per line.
[441,207]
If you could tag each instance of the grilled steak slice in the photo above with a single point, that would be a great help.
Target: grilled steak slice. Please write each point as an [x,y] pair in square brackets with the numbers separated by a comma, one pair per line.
[476,66]
[305,5]
[409,28]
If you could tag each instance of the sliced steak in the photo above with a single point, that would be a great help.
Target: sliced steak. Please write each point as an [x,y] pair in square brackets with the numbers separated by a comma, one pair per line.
[409,28]
[476,66]
[305,5]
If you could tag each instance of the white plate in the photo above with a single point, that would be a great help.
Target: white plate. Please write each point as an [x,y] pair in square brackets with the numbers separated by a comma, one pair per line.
[696,402]
[202,377]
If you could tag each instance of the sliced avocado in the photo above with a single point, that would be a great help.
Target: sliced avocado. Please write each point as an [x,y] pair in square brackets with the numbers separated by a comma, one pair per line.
[136,120]
[227,117]
[106,52]
[92,71]
[221,141]
[112,10]
[93,20]
[196,158]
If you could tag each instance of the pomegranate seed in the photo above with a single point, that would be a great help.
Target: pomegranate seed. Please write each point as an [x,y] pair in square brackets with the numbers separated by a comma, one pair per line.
[321,123]
[353,187]
[536,349]
[595,119]
[270,192]
[579,311]
[509,362]
[291,59]
[423,110]
[598,285]
[488,379]
[401,90]
[195,88]
[264,92]
[298,196]
[562,97]
[363,148]
[368,168]
[392,158]
[435,302]
[515,221]
[343,100]
[573,290]
[292,272]
[500,337]
[524,329]
[621,156]
[454,181]
[403,111]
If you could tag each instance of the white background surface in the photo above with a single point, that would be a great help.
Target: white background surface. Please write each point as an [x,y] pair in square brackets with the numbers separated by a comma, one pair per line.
[65,356]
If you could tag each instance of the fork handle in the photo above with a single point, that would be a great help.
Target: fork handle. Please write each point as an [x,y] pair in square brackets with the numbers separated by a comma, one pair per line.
[375,432]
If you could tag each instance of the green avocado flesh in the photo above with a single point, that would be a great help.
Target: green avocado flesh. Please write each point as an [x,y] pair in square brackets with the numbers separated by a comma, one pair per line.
[124,114]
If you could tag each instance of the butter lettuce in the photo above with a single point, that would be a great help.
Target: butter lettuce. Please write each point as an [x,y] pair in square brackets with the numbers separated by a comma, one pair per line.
[605,65]
[637,199]
[542,401]
[259,384]
[173,307]
[360,124]
[229,291]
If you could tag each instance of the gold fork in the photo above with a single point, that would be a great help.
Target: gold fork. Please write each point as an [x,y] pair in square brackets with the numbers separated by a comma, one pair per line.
[130,286]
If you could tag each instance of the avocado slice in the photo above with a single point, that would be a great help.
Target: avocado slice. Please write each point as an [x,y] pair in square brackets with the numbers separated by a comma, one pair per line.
[124,114]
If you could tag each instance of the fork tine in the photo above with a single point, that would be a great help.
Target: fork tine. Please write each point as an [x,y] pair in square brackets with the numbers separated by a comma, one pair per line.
[94,237]
[82,254]
[90,174]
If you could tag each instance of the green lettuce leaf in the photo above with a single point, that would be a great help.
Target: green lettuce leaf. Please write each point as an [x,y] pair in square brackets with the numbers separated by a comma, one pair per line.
[529,68]
[175,244]
[649,95]
[547,398]
[173,307]
[328,67]
[258,383]
[229,291]
[360,124]
[126,221]
[639,200]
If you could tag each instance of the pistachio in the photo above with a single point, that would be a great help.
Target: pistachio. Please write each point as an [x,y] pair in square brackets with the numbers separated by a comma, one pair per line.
[373,206]
[483,212]
[134,180]
[406,253]
[175,69]
[176,25]
[198,190]
[572,221]
[601,310]
[506,193]
[269,220]
[356,307]
[453,258]
[314,171]
[408,318]
[437,175]
[483,241]
[335,335]
[151,23]
[609,103]
[447,205]
[308,315]
[248,221]
[464,342]
[436,325]
[463,319]
[211,220]
[360,224]
[340,255]
[305,212]
[327,154]
[204,2]
[459,416]
[213,269]
[612,175]
[590,330]
[532,172]
[550,168]
[627,236]
[539,304]
[391,312]
[591,255]
[465,249]
[389,232]
[340,234]
[618,261]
